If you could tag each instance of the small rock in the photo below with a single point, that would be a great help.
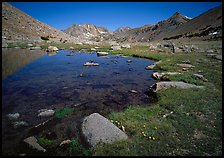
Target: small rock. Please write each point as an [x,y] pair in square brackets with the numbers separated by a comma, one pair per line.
[23,154]
[72,48]
[219,57]
[210,51]
[19,124]
[102,53]
[129,61]
[29,45]
[186,65]
[199,76]
[126,45]
[93,49]
[35,48]
[184,69]
[52,49]
[32,141]
[81,75]
[133,91]
[71,54]
[150,67]
[13,116]
[116,48]
[91,64]
[46,112]
[68,141]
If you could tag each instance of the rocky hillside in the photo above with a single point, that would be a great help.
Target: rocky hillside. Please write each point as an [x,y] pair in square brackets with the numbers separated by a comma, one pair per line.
[206,26]
[18,26]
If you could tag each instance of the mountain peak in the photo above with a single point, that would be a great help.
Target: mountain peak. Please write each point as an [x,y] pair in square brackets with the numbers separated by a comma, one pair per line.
[178,18]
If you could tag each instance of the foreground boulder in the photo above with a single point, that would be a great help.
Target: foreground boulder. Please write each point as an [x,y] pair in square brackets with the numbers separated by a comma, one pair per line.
[98,129]
[175,84]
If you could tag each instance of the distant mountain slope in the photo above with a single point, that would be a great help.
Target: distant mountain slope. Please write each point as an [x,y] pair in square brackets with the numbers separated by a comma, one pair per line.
[122,29]
[86,31]
[18,26]
[206,25]
[152,32]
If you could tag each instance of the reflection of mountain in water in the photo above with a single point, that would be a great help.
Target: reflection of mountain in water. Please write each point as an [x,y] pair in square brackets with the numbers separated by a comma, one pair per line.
[14,59]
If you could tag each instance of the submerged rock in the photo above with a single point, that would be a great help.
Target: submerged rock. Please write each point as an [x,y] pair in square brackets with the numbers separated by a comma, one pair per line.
[98,129]
[32,142]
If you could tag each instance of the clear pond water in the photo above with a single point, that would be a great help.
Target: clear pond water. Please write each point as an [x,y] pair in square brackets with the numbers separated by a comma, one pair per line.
[34,80]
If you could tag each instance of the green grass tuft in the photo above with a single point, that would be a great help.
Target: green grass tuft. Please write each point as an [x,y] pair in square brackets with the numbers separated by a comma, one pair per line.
[64,112]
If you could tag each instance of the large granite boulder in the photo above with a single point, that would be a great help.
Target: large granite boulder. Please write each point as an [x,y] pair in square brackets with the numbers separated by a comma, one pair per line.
[175,84]
[98,129]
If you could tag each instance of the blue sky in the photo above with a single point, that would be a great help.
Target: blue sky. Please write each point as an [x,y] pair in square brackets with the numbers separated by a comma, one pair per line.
[110,15]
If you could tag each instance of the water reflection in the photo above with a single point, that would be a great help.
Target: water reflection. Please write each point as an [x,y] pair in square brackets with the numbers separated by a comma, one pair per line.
[15,59]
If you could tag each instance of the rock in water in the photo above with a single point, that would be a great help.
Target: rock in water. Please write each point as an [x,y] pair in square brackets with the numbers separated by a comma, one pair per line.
[19,124]
[13,116]
[91,64]
[52,48]
[102,53]
[32,141]
[98,129]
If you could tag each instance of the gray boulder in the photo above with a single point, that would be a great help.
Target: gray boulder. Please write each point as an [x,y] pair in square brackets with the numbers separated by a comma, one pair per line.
[174,84]
[98,129]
